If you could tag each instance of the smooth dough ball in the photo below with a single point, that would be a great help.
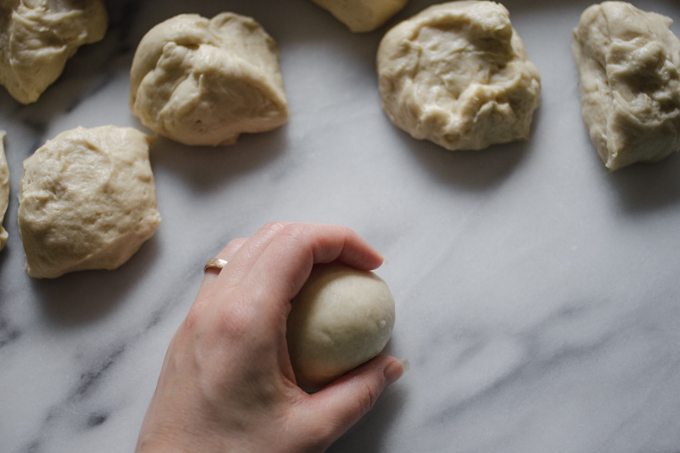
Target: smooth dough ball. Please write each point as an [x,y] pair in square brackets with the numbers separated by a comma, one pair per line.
[38,36]
[4,190]
[341,318]
[628,63]
[205,82]
[458,74]
[87,201]
[362,15]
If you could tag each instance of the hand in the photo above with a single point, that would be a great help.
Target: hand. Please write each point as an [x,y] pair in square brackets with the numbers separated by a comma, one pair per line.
[227,384]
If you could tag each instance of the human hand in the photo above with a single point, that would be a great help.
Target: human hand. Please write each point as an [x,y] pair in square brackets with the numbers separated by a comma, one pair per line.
[227,384]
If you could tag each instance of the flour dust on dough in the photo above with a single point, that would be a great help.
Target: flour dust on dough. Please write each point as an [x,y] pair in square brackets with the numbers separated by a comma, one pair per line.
[87,201]
[459,75]
[38,36]
[205,81]
[628,62]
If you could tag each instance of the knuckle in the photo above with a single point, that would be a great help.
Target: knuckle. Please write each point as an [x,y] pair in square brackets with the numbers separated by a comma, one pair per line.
[231,319]
[296,231]
[238,319]
[193,320]
[274,227]
[233,325]
[369,395]
[301,236]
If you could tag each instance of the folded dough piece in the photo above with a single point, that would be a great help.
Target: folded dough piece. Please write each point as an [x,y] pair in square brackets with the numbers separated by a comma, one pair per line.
[458,74]
[38,36]
[628,62]
[4,190]
[362,15]
[87,201]
[205,82]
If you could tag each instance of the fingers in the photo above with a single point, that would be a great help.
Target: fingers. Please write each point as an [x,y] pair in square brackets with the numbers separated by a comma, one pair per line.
[284,265]
[239,263]
[338,406]
[248,254]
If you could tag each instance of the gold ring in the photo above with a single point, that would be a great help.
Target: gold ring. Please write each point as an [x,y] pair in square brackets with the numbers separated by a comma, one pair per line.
[215,263]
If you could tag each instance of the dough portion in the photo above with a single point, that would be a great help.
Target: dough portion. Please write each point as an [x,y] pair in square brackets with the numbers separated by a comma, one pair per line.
[458,74]
[362,15]
[37,38]
[341,318]
[628,62]
[4,190]
[87,201]
[205,82]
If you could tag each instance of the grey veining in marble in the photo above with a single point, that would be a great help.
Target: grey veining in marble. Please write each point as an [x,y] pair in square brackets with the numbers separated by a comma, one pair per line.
[538,297]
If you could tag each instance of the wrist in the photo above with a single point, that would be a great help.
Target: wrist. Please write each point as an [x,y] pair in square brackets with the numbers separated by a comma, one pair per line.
[206,442]
[178,442]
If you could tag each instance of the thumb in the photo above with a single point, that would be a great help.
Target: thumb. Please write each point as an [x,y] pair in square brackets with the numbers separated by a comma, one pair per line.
[341,404]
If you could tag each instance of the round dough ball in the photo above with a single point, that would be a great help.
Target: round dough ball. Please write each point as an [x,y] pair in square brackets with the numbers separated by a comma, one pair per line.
[458,74]
[341,318]
[205,82]
[37,37]
[87,201]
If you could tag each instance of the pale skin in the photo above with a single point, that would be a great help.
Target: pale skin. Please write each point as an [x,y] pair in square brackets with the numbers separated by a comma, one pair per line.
[227,384]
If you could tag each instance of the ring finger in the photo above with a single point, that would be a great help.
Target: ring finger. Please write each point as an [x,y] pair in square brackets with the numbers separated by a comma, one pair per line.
[212,272]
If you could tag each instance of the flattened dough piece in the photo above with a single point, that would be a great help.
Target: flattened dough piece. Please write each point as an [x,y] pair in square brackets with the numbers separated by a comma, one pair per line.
[458,74]
[205,82]
[340,319]
[628,63]
[4,190]
[87,201]
[362,15]
[38,36]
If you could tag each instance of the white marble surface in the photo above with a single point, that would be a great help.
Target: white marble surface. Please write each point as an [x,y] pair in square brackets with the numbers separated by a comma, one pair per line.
[537,295]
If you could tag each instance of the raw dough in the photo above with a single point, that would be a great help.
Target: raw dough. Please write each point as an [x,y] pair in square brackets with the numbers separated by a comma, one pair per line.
[37,38]
[87,201]
[628,64]
[341,318]
[4,190]
[204,82]
[362,15]
[458,74]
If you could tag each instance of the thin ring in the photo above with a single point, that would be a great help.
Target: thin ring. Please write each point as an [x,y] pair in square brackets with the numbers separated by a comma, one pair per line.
[215,263]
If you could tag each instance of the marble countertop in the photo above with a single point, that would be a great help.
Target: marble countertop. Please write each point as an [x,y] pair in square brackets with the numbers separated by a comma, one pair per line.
[537,295]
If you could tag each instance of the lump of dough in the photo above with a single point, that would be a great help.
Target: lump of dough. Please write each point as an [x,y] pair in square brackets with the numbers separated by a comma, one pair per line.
[87,201]
[4,190]
[458,74]
[205,82]
[628,63]
[38,36]
[362,15]
[340,319]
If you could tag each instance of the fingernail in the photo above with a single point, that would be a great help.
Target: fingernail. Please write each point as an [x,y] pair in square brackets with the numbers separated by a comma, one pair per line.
[396,370]
[405,364]
[384,261]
